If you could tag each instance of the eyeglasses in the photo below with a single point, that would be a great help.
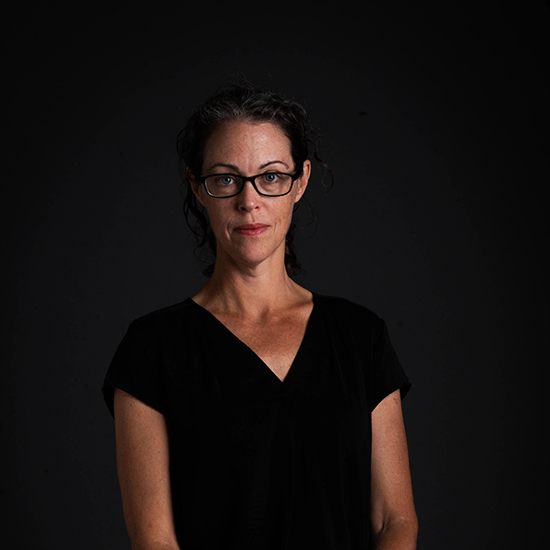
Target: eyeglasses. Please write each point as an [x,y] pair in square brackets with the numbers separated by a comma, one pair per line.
[269,184]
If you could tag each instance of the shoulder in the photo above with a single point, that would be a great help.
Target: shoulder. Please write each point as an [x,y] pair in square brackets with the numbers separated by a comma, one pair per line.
[346,310]
[164,321]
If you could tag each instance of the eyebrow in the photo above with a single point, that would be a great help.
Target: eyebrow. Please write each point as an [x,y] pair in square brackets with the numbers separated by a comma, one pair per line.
[236,169]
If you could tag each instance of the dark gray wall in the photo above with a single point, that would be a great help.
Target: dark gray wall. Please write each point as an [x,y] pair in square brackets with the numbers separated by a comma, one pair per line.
[436,222]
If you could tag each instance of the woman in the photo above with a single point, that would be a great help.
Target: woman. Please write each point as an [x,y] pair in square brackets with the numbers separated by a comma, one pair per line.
[257,414]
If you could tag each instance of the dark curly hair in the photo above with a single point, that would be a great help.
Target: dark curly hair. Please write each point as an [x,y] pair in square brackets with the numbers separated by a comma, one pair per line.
[241,101]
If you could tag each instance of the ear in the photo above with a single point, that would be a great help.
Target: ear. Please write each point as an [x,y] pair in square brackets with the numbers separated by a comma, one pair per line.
[196,186]
[302,181]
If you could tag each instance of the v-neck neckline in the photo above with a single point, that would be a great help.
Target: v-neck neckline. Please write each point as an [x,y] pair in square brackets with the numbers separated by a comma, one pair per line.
[299,352]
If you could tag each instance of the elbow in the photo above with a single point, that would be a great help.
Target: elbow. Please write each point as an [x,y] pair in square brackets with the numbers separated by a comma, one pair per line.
[398,532]
[410,530]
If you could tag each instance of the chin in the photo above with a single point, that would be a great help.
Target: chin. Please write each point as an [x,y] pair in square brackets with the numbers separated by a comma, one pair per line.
[255,255]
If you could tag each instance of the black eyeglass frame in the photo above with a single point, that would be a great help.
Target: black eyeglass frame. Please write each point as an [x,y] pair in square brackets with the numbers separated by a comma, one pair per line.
[252,180]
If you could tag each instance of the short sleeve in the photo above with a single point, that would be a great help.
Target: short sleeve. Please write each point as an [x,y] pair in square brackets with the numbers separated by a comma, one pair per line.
[135,369]
[387,373]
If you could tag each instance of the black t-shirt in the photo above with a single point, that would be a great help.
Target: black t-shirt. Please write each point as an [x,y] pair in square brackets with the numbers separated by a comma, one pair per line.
[256,462]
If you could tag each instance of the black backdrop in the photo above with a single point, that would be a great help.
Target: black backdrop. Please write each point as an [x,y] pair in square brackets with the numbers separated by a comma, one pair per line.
[431,124]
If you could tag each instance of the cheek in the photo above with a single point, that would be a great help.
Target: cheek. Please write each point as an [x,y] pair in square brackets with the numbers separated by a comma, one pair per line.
[216,218]
[285,212]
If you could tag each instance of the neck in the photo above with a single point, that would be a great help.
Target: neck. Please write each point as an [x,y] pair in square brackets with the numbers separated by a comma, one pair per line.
[249,290]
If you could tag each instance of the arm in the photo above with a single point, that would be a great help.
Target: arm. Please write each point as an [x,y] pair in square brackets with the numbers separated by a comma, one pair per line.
[143,473]
[393,517]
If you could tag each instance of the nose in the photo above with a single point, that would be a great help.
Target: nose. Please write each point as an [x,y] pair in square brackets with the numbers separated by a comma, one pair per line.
[248,198]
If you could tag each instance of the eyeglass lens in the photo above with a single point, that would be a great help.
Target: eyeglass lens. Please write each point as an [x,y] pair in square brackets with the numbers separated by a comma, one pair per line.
[271,183]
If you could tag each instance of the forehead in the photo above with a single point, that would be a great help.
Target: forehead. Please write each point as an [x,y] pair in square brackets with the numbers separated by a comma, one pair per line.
[246,141]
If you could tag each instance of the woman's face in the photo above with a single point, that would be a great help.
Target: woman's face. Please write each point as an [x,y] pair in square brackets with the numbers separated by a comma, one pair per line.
[250,229]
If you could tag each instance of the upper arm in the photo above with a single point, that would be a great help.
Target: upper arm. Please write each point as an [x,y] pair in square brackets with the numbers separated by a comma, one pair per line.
[391,488]
[143,471]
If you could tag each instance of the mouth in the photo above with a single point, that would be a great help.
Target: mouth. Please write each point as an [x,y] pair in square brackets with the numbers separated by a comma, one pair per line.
[251,229]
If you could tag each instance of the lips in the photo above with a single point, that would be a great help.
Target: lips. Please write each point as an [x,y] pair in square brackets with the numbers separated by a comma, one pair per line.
[251,229]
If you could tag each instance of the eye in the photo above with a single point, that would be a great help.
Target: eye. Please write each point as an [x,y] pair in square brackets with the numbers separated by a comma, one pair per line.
[225,179]
[271,177]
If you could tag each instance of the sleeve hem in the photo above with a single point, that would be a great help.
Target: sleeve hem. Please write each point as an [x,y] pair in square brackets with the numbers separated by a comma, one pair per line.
[403,385]
[109,394]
